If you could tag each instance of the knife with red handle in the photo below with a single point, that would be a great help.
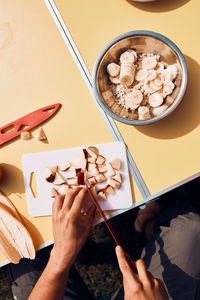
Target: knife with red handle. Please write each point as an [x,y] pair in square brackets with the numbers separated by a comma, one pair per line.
[26,123]
[112,232]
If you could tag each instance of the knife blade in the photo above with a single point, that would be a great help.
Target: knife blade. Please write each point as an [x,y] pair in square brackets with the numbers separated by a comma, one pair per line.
[27,122]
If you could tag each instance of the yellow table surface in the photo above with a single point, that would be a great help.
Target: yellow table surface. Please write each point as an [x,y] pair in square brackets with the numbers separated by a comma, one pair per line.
[36,69]
[168,151]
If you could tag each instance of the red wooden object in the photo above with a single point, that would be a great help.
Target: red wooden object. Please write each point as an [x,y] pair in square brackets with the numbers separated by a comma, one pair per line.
[26,123]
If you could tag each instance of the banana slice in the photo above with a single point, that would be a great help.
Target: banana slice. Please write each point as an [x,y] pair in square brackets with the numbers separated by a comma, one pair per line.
[154,86]
[169,100]
[129,103]
[149,62]
[148,89]
[167,91]
[143,110]
[113,69]
[127,74]
[144,117]
[126,79]
[169,84]
[141,75]
[152,74]
[171,72]
[155,100]
[114,80]
[159,68]
[159,81]
[128,56]
[134,53]
[143,113]
[156,111]
[136,96]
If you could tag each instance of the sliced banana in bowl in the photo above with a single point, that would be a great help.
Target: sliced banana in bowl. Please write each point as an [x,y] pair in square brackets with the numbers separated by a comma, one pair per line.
[137,70]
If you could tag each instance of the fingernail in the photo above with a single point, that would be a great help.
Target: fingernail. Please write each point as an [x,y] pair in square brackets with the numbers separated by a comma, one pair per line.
[118,249]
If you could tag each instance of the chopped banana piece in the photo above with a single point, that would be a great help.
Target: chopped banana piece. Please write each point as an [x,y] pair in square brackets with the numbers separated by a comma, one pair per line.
[92,168]
[92,160]
[111,171]
[58,179]
[92,180]
[143,113]
[102,168]
[142,75]
[136,96]
[49,175]
[114,183]
[152,74]
[127,74]
[25,135]
[154,86]
[129,56]
[129,103]
[100,160]
[167,91]
[118,177]
[149,62]
[155,100]
[144,117]
[41,136]
[100,178]
[156,111]
[159,68]
[116,164]
[113,69]
[171,72]
[65,166]
[109,189]
[169,84]
[94,150]
[91,153]
[101,195]
[114,80]
[54,169]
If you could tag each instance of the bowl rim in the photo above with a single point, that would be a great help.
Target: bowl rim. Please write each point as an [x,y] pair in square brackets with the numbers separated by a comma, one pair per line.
[165,40]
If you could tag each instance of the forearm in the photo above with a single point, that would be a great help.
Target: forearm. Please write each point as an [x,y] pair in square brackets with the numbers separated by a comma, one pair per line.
[52,283]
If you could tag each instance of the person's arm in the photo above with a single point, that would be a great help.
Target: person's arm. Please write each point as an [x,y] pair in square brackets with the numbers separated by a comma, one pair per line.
[139,285]
[70,233]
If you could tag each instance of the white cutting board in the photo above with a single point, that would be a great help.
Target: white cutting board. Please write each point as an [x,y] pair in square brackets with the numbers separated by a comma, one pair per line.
[37,162]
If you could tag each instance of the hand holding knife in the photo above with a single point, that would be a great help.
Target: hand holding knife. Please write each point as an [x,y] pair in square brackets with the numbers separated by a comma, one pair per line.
[112,232]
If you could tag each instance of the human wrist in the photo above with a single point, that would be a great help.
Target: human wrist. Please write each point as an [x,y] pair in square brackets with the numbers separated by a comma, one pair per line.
[59,264]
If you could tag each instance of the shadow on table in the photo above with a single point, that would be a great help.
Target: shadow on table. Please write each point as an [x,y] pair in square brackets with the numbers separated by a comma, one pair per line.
[159,5]
[186,117]
[13,181]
